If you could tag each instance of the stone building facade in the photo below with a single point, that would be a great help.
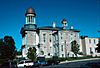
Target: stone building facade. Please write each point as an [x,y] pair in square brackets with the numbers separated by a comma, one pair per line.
[88,46]
[48,40]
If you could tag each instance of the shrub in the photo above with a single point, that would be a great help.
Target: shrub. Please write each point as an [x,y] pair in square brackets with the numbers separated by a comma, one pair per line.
[62,59]
[80,53]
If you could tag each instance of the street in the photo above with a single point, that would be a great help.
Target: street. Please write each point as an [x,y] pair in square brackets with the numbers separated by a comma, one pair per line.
[79,64]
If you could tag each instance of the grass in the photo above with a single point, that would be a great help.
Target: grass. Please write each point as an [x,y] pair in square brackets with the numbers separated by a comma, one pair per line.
[79,58]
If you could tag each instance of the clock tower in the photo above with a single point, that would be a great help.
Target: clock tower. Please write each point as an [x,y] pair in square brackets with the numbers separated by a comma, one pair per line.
[29,32]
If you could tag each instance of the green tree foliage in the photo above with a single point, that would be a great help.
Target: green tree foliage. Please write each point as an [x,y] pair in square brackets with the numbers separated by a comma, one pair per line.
[19,52]
[42,52]
[32,53]
[74,47]
[98,47]
[7,48]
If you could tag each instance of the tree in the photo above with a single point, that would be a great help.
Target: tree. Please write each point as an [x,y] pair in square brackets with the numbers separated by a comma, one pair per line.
[74,47]
[80,53]
[7,48]
[19,52]
[42,52]
[32,53]
[98,48]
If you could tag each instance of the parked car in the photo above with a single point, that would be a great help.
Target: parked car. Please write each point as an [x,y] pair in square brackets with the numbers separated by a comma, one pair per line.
[25,63]
[36,64]
[41,61]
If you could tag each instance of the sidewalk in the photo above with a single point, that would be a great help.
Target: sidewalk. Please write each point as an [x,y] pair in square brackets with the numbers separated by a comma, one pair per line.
[79,60]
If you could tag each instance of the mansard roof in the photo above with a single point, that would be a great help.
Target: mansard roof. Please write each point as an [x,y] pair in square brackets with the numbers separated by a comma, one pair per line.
[55,28]
[49,28]
[31,27]
[28,27]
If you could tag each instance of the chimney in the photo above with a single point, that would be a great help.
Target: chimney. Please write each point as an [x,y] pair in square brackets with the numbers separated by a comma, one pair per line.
[72,27]
[53,24]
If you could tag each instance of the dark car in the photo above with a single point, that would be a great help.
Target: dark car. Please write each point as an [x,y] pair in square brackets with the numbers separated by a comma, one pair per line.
[36,64]
[41,61]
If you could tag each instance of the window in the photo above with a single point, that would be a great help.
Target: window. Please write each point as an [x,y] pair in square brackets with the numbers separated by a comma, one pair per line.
[55,37]
[61,35]
[95,50]
[28,61]
[89,40]
[71,34]
[91,52]
[61,47]
[94,41]
[75,35]
[90,49]
[21,62]
[44,37]
[50,37]
[50,40]
[48,54]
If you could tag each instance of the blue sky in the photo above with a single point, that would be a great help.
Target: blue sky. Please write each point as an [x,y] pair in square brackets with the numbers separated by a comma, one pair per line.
[82,14]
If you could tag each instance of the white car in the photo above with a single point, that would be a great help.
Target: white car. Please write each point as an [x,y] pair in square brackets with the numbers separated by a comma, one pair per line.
[25,63]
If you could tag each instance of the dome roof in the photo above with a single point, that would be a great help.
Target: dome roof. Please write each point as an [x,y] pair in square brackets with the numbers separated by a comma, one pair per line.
[30,10]
[64,20]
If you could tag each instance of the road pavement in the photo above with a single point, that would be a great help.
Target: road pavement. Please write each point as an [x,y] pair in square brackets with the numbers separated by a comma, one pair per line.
[85,63]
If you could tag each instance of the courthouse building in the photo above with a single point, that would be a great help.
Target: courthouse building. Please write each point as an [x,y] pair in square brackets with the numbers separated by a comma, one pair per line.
[48,40]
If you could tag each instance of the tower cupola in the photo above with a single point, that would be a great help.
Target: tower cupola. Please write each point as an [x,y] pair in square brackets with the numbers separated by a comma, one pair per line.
[30,16]
[64,23]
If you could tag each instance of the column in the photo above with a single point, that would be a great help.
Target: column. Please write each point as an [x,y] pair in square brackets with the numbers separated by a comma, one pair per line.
[26,20]
[34,21]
